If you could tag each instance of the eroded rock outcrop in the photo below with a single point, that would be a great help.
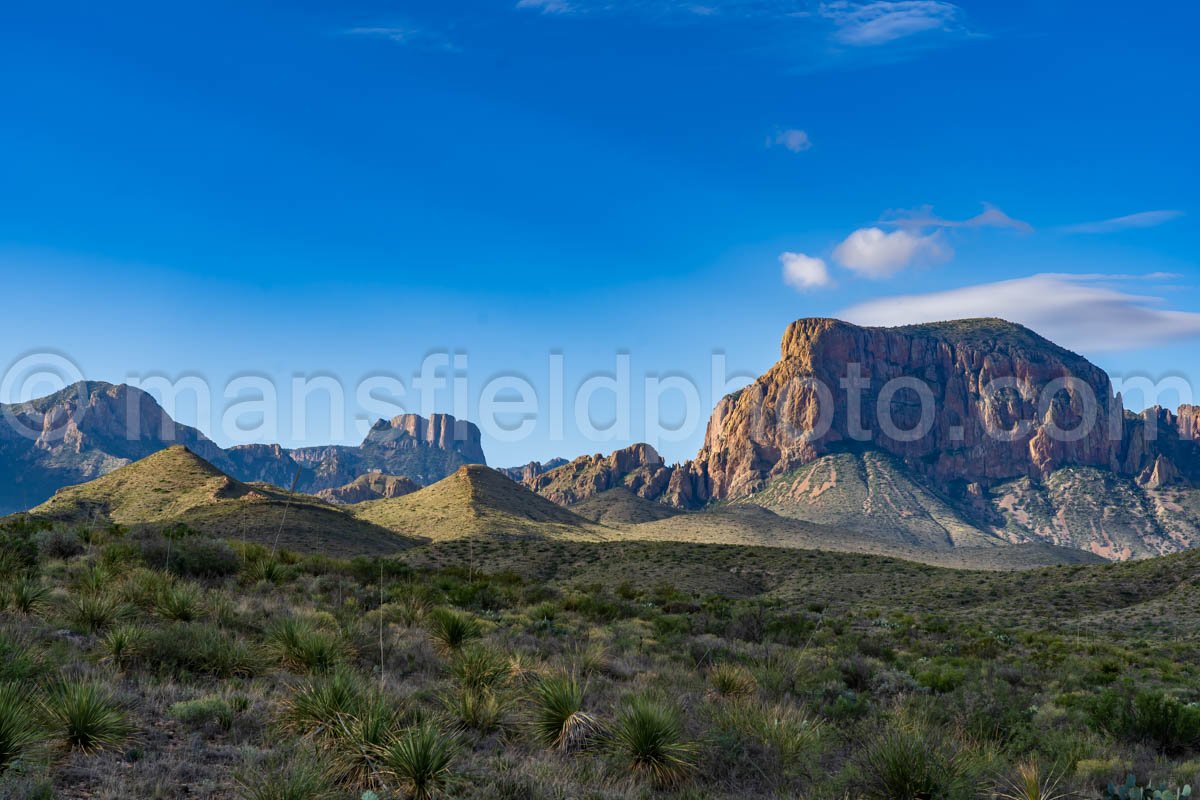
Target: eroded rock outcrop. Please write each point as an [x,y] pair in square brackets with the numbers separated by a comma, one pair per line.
[638,468]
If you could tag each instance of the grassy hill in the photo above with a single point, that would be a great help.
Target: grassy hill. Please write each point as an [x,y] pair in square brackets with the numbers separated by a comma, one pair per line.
[176,486]
[476,500]
[619,506]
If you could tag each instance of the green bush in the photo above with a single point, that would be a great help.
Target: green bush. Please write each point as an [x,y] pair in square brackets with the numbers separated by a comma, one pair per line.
[1154,716]
[905,763]
[203,711]
[558,718]
[419,760]
[59,543]
[300,645]
[19,729]
[84,717]
[199,648]
[648,737]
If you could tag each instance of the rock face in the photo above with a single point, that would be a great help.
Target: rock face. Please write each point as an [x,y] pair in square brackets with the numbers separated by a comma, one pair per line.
[90,429]
[80,433]
[373,486]
[527,472]
[963,402]
[638,468]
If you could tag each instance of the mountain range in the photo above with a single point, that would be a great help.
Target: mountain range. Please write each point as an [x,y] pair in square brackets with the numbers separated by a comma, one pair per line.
[780,460]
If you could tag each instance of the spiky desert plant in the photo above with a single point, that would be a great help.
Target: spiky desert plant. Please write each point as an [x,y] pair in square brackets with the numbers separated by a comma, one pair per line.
[479,667]
[318,705]
[92,612]
[559,720]
[300,645]
[1031,782]
[182,602]
[419,761]
[356,742]
[83,716]
[123,643]
[648,736]
[19,730]
[481,709]
[731,680]
[28,595]
[304,777]
[451,629]
[906,763]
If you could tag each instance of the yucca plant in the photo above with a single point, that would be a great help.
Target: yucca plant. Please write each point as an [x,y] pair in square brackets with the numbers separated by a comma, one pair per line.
[182,602]
[480,709]
[905,763]
[93,612]
[83,716]
[479,667]
[317,707]
[451,629]
[19,729]
[559,720]
[419,761]
[28,595]
[356,742]
[649,737]
[123,643]
[304,777]
[1032,783]
[298,644]
[732,681]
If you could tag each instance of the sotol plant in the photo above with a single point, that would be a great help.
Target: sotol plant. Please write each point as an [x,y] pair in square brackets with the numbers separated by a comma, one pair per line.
[649,737]
[84,717]
[419,760]
[559,720]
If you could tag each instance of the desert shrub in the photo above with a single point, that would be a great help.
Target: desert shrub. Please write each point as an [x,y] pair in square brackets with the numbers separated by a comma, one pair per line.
[142,587]
[305,776]
[199,648]
[94,612]
[648,737]
[791,736]
[904,762]
[184,552]
[120,555]
[479,667]
[18,548]
[300,645]
[59,543]
[450,629]
[122,644]
[478,708]
[316,706]
[558,719]
[941,677]
[19,729]
[358,740]
[18,663]
[1170,724]
[419,760]
[203,711]
[1032,782]
[731,680]
[182,602]
[28,595]
[84,717]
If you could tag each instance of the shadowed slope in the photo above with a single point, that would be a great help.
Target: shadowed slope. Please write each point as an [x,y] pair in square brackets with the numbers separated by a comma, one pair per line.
[476,500]
[620,506]
[177,486]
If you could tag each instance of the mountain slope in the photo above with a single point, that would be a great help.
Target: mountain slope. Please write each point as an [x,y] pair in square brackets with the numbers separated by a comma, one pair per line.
[476,500]
[176,486]
[92,428]
[620,506]
[372,486]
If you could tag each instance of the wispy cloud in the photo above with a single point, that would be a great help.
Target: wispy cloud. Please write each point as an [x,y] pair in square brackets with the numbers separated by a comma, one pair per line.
[793,139]
[1087,313]
[874,253]
[402,34]
[804,272]
[1143,219]
[550,6]
[883,21]
[923,217]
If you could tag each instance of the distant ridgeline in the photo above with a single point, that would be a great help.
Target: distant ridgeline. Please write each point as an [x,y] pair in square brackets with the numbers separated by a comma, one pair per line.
[794,442]
[90,429]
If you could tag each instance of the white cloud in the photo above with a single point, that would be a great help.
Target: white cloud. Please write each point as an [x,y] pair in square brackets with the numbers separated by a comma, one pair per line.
[884,21]
[547,6]
[923,217]
[792,139]
[804,272]
[1143,219]
[1086,313]
[405,35]
[874,253]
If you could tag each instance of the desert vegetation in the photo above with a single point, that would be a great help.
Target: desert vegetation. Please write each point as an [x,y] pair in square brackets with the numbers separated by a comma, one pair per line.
[160,663]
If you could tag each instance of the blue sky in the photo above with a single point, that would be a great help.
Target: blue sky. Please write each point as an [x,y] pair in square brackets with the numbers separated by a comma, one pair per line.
[341,188]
